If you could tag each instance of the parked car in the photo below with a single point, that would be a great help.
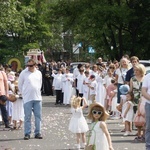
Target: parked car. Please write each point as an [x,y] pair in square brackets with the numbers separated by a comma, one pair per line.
[146,63]
[75,64]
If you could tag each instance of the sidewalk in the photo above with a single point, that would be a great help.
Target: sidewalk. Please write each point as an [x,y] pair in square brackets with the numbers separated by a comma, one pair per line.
[56,135]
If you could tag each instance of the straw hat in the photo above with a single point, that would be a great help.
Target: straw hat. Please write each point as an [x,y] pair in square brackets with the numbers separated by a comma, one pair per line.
[104,116]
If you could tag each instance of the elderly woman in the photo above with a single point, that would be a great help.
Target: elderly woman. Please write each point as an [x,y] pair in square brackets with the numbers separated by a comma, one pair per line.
[135,87]
[120,75]
[136,81]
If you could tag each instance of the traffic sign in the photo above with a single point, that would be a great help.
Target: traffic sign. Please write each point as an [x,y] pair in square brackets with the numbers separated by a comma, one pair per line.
[91,50]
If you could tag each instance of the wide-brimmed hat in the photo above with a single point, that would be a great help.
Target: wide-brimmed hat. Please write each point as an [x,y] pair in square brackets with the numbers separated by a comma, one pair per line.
[124,89]
[104,116]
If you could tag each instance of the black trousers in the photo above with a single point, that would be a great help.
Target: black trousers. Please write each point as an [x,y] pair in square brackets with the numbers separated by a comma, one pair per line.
[81,95]
[4,114]
[58,96]
[62,98]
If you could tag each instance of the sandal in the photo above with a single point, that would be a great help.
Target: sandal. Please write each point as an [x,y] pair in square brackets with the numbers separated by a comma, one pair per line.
[19,127]
[14,128]
[123,130]
[143,139]
[138,139]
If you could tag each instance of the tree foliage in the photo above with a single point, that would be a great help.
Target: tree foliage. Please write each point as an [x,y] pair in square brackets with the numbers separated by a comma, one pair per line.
[112,27]
[122,24]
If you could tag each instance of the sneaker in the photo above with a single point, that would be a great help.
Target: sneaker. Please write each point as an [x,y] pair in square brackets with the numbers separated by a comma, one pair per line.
[126,133]
[38,136]
[78,146]
[26,137]
[83,145]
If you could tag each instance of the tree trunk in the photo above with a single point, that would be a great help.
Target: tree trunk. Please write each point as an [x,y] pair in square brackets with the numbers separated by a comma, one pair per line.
[120,42]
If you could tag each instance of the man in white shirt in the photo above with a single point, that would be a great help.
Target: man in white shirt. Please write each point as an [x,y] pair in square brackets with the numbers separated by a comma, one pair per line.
[30,83]
[146,94]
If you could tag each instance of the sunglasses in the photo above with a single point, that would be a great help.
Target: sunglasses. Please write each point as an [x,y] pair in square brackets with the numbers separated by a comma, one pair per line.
[111,67]
[96,112]
[30,65]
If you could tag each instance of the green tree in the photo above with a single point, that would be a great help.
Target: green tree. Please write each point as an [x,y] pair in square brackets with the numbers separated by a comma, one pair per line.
[103,24]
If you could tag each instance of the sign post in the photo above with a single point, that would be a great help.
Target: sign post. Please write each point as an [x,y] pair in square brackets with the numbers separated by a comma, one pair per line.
[91,51]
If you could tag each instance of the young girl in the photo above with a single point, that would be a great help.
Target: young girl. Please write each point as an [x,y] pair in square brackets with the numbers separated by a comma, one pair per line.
[86,81]
[115,113]
[128,113]
[100,136]
[109,95]
[93,87]
[78,123]
[18,110]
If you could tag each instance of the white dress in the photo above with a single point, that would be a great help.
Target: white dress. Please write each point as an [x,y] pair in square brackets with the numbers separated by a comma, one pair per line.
[114,102]
[101,91]
[67,80]
[78,123]
[18,110]
[130,113]
[100,141]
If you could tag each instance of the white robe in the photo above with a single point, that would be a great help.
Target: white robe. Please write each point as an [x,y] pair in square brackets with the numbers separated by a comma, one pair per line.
[101,91]
[80,79]
[67,79]
[86,88]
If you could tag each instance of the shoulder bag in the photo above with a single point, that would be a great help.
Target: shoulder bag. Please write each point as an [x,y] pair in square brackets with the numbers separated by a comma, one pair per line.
[91,147]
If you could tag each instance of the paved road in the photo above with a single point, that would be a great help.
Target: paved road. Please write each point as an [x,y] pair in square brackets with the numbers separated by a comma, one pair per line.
[56,135]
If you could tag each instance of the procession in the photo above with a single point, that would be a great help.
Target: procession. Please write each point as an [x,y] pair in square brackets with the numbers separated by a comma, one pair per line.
[74,75]
[92,93]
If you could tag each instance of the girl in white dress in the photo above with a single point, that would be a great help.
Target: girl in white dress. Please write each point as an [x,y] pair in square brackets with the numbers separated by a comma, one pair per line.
[18,110]
[128,113]
[114,104]
[78,123]
[86,81]
[100,136]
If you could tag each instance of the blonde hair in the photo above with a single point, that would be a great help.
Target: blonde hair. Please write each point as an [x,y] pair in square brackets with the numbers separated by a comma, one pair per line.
[141,69]
[75,101]
[126,60]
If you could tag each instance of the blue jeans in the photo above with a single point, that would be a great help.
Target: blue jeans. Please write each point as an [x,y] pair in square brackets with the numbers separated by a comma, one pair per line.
[147,131]
[4,114]
[36,107]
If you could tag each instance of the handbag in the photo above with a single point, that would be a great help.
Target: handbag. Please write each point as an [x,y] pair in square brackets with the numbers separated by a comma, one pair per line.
[90,147]
[139,120]
[12,97]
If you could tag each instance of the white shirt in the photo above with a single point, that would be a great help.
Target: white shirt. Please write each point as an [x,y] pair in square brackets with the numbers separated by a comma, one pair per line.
[121,72]
[80,79]
[146,84]
[107,80]
[94,85]
[75,73]
[29,84]
[57,82]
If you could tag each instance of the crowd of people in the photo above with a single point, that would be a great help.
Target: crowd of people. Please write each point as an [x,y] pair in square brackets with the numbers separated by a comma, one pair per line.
[118,88]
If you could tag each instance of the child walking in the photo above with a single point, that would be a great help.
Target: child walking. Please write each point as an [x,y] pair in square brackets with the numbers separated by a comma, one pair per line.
[93,87]
[100,136]
[128,113]
[78,123]
[18,110]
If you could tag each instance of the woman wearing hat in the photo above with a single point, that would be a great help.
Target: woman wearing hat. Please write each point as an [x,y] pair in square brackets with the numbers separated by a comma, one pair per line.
[100,137]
